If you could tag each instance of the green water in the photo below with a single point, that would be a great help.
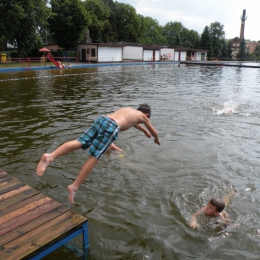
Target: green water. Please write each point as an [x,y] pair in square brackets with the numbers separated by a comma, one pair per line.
[138,206]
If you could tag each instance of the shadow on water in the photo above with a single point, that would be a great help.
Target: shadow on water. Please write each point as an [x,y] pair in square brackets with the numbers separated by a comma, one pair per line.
[139,206]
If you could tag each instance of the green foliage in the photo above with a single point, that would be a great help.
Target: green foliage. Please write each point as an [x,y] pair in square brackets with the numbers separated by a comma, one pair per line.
[217,35]
[256,54]
[20,22]
[224,52]
[99,27]
[68,22]
[30,23]
[128,23]
[206,41]
[172,31]
[151,31]
[188,38]
[242,53]
[229,50]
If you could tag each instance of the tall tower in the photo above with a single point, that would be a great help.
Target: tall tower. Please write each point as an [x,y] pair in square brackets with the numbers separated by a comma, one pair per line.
[243,20]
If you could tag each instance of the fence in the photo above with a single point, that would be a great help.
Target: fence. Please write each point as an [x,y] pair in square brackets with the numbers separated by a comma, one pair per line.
[27,63]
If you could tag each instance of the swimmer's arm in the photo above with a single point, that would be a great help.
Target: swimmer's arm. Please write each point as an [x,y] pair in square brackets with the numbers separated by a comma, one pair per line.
[224,217]
[142,129]
[227,198]
[193,223]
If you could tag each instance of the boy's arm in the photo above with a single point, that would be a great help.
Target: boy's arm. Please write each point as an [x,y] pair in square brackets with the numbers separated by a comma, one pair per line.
[193,223]
[227,198]
[142,129]
[224,217]
[151,129]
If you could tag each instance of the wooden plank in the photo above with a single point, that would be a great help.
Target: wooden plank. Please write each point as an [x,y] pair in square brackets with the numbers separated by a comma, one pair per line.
[35,210]
[12,187]
[17,198]
[27,208]
[30,221]
[7,183]
[39,237]
[20,204]
[4,178]
[22,230]
[14,192]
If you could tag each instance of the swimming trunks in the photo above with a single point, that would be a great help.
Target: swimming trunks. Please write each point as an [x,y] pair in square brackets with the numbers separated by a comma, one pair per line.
[99,136]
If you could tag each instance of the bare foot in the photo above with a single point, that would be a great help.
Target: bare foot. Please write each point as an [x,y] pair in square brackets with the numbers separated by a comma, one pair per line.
[72,191]
[43,164]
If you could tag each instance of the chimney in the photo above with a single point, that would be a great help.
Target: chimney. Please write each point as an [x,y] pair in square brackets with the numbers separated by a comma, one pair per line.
[243,20]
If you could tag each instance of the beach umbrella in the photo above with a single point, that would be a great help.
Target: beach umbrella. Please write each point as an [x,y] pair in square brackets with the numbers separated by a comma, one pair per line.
[44,50]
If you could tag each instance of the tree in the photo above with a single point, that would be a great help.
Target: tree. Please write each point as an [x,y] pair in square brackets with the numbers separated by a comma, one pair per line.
[189,38]
[229,49]
[256,54]
[21,22]
[128,23]
[68,22]
[111,34]
[217,34]
[224,53]
[99,27]
[171,31]
[205,41]
[151,31]
[242,53]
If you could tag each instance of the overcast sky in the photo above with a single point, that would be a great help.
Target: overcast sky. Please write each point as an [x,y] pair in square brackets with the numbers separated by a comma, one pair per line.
[196,14]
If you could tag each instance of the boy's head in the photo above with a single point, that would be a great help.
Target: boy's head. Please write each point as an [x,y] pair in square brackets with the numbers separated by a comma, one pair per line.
[145,109]
[214,207]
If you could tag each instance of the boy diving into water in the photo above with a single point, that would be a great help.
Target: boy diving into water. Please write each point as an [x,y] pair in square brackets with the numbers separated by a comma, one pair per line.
[99,138]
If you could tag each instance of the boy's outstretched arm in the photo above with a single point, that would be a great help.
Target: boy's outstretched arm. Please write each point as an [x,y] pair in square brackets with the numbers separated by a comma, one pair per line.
[228,196]
[142,129]
[193,223]
[224,217]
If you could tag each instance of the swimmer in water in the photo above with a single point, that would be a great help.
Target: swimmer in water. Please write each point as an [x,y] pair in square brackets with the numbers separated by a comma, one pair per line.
[214,208]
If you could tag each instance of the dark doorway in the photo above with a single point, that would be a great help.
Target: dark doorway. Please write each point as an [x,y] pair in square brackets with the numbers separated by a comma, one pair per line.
[83,55]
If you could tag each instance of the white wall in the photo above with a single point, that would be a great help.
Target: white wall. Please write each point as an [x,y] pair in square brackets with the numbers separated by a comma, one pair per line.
[183,55]
[148,55]
[169,52]
[132,53]
[110,54]
[176,55]
[157,55]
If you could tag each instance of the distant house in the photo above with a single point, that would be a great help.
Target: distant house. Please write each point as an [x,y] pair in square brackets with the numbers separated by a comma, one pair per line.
[235,43]
[251,45]
[182,54]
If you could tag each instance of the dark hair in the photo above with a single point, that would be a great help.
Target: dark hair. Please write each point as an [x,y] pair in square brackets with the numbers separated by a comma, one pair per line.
[144,108]
[219,204]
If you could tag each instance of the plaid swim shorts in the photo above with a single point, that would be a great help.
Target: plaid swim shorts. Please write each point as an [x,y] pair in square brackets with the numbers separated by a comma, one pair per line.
[99,136]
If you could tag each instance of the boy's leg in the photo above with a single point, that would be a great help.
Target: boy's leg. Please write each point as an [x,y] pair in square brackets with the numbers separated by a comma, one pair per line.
[83,174]
[114,147]
[47,158]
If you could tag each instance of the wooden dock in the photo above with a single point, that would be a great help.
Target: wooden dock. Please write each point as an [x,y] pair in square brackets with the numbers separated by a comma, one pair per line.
[33,225]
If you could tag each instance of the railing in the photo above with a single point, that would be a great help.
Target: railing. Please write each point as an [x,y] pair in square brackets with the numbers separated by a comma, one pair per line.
[232,59]
[27,63]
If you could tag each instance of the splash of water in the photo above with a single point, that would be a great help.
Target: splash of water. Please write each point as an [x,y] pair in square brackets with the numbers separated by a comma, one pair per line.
[227,108]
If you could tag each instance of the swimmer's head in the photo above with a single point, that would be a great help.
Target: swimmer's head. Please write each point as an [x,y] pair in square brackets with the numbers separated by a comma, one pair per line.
[145,109]
[214,207]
